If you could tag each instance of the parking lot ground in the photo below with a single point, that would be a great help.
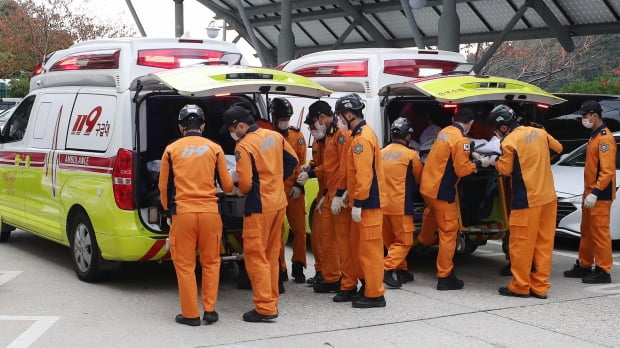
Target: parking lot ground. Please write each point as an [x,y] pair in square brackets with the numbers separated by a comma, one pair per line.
[43,304]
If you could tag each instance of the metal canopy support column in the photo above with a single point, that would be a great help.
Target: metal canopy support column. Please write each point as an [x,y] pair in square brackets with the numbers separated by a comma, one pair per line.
[449,27]
[502,36]
[178,18]
[286,39]
[136,18]
[344,35]
[248,27]
[364,22]
[554,25]
[415,31]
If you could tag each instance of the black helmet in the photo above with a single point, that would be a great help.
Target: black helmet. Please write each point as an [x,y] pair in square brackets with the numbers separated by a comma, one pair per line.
[280,107]
[401,127]
[502,115]
[349,102]
[191,112]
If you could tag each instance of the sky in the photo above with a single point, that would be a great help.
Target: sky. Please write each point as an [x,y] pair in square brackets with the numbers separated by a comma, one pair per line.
[157,18]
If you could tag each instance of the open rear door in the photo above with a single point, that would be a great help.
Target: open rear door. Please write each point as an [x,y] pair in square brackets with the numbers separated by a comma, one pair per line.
[201,81]
[469,89]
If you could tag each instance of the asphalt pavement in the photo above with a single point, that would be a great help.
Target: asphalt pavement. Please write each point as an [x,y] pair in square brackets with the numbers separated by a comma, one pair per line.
[43,304]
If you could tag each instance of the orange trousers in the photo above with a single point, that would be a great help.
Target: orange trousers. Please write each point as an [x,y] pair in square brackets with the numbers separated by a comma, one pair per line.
[191,231]
[443,216]
[595,243]
[532,232]
[398,239]
[315,240]
[330,255]
[367,250]
[262,242]
[296,215]
[348,267]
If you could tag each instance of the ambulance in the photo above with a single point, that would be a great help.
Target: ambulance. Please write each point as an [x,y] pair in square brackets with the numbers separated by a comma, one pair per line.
[79,157]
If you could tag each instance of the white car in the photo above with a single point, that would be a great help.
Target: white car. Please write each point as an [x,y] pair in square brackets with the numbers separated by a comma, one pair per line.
[568,178]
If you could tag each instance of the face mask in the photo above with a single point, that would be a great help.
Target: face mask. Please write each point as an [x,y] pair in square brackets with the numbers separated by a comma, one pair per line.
[320,127]
[283,125]
[342,124]
[587,123]
[234,136]
[317,133]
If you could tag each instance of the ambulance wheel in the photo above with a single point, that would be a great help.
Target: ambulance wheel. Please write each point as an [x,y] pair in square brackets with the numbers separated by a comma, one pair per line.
[5,232]
[84,250]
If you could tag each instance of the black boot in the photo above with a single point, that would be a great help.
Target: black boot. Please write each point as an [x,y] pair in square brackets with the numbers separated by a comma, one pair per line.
[390,279]
[450,282]
[298,272]
[326,287]
[597,277]
[404,276]
[317,279]
[345,295]
[369,302]
[577,271]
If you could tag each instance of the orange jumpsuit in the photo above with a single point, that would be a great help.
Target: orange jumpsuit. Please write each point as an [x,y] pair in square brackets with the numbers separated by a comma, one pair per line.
[189,169]
[526,158]
[366,186]
[403,170]
[446,163]
[264,160]
[296,208]
[318,147]
[336,142]
[600,179]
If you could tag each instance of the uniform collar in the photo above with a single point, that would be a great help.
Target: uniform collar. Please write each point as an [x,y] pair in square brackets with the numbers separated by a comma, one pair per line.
[600,129]
[358,129]
[196,133]
[252,128]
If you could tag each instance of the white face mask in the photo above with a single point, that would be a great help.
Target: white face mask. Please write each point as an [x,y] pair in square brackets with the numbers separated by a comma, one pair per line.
[234,136]
[317,133]
[320,127]
[283,125]
[587,123]
[342,124]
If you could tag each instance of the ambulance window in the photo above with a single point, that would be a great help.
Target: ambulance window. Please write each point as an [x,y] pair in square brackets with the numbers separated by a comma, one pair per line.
[16,127]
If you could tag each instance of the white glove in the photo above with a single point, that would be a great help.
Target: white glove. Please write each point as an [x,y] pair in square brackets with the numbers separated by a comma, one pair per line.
[306,167]
[336,205]
[590,200]
[493,160]
[295,193]
[485,161]
[345,199]
[169,221]
[475,156]
[320,204]
[356,214]
[302,177]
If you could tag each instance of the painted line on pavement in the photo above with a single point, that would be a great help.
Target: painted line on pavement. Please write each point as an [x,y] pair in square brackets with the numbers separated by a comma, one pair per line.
[38,328]
[6,276]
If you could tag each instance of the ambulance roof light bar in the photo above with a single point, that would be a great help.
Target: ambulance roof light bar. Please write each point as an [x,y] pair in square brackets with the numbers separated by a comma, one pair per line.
[342,68]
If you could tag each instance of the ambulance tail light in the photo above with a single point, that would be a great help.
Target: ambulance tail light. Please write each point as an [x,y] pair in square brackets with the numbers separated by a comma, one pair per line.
[345,68]
[177,57]
[417,67]
[38,69]
[122,180]
[105,59]
[543,106]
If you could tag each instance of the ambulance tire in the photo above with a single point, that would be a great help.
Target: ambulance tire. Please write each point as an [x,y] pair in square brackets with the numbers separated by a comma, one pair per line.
[84,249]
[5,232]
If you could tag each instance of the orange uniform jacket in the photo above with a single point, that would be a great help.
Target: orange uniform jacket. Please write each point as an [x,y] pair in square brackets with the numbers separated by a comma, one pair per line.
[365,180]
[403,170]
[447,161]
[600,169]
[264,160]
[336,144]
[188,185]
[296,139]
[529,147]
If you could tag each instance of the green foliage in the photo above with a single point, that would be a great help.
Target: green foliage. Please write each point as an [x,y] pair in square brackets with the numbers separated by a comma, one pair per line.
[21,85]
[604,84]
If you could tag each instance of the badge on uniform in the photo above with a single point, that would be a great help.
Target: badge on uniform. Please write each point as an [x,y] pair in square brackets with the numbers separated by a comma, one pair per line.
[301,141]
[341,139]
[358,148]
[604,147]
[466,147]
[237,155]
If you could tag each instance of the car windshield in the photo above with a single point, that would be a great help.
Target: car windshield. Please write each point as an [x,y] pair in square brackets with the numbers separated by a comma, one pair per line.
[577,158]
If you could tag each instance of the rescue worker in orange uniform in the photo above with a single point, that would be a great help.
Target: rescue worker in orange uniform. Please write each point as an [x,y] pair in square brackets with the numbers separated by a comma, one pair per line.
[366,197]
[318,133]
[264,160]
[599,192]
[190,167]
[402,168]
[525,156]
[447,162]
[281,112]
[333,227]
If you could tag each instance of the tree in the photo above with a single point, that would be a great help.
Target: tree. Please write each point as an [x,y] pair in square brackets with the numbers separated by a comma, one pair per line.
[31,29]
[604,84]
[545,63]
